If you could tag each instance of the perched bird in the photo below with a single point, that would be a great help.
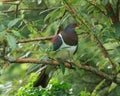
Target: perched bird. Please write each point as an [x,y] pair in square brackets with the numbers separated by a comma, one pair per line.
[65,44]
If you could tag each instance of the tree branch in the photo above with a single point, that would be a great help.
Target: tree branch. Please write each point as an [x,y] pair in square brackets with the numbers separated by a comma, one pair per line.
[104,51]
[35,39]
[112,14]
[96,71]
[33,60]
[67,64]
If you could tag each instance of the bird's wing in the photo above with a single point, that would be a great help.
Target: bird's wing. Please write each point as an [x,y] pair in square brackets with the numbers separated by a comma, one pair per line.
[57,42]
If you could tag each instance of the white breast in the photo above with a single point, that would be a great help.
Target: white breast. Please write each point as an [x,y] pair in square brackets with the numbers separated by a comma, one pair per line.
[65,51]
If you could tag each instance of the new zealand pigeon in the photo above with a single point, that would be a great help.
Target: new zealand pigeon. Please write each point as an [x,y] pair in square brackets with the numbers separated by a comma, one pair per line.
[65,44]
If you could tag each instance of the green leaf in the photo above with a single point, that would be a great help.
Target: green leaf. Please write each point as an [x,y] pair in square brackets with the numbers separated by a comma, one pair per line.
[117,30]
[2,27]
[16,33]
[94,93]
[52,15]
[11,41]
[33,68]
[1,3]
[113,86]
[90,9]
[84,93]
[2,35]
[13,22]
[62,66]
[104,2]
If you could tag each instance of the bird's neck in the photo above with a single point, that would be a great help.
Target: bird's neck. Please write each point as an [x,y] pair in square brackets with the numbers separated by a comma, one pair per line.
[70,38]
[69,30]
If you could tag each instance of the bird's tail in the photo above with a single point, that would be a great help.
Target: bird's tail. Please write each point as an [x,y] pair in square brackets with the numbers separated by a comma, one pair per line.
[44,77]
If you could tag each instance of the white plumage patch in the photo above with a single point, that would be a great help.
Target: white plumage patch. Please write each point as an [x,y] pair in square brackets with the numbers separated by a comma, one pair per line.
[65,51]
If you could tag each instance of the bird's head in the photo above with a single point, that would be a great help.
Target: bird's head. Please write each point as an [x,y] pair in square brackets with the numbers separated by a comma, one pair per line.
[72,26]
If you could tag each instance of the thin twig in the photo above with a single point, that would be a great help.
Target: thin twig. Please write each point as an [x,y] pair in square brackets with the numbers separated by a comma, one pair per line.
[17,6]
[9,11]
[117,9]
[13,3]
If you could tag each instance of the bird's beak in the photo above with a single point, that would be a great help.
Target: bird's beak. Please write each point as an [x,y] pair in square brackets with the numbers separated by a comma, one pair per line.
[77,27]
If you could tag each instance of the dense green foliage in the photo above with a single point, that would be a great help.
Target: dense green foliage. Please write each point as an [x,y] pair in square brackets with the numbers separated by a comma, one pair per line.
[97,61]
